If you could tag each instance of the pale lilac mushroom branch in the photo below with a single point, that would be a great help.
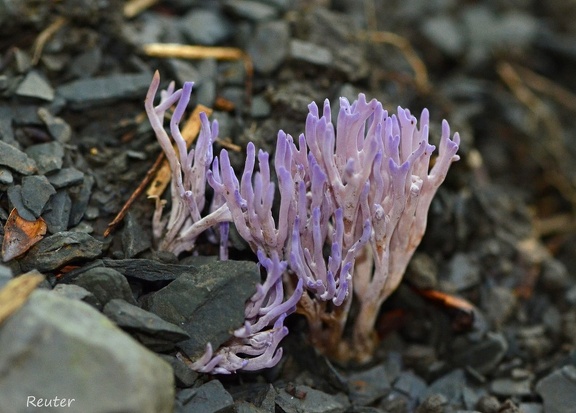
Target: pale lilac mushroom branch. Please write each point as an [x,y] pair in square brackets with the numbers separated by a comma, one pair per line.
[179,231]
[254,345]
[368,179]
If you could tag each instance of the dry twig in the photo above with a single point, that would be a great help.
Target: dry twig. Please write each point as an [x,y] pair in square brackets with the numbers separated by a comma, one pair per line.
[133,8]
[159,173]
[203,52]
[45,35]
[418,66]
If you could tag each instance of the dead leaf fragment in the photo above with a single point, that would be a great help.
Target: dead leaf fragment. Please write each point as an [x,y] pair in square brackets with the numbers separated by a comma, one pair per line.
[20,235]
[16,292]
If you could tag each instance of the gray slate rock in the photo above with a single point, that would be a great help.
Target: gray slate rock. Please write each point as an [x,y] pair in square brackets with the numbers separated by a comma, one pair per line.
[133,236]
[509,387]
[184,375]
[251,10]
[103,90]
[208,398]
[75,292]
[57,212]
[206,27]
[148,270]
[6,176]
[48,156]
[422,271]
[35,86]
[308,52]
[16,160]
[36,192]
[241,406]
[450,385]
[5,275]
[462,273]
[410,385]
[369,386]
[15,197]
[313,401]
[483,356]
[80,196]
[558,390]
[149,329]
[208,304]
[66,177]
[106,284]
[98,367]
[270,45]
[60,249]
[445,33]
[57,127]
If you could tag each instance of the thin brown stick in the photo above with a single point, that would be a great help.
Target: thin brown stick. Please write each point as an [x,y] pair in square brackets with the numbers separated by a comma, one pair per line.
[133,8]
[182,51]
[554,145]
[417,65]
[137,192]
[156,176]
[548,87]
[45,35]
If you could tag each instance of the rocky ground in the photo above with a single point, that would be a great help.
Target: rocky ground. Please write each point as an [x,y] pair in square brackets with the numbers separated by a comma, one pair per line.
[74,146]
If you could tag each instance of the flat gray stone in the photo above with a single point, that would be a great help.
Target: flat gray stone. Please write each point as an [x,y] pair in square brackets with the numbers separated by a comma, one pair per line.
[208,303]
[483,356]
[35,86]
[558,390]
[444,33]
[310,53]
[313,401]
[75,292]
[206,27]
[148,270]
[149,329]
[36,192]
[251,10]
[80,196]
[106,284]
[57,212]
[66,177]
[16,160]
[60,249]
[5,275]
[509,387]
[368,386]
[184,375]
[6,176]
[208,398]
[15,197]
[450,385]
[411,385]
[48,156]
[270,45]
[57,127]
[98,367]
[133,236]
[103,90]
[462,273]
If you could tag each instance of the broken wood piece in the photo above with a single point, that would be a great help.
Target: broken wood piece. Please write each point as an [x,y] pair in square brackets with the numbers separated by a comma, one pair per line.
[16,292]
